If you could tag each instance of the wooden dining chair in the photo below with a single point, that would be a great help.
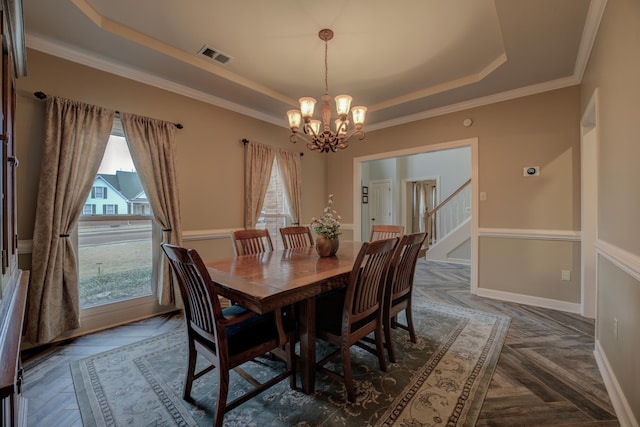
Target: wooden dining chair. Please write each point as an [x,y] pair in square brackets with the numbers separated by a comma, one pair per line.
[296,236]
[379,232]
[252,241]
[347,315]
[400,286]
[226,338]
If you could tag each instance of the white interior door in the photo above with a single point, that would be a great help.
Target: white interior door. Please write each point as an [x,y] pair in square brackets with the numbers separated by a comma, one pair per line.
[380,202]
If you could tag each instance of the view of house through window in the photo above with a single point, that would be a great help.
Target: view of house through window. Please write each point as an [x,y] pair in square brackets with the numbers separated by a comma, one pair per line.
[274,213]
[115,233]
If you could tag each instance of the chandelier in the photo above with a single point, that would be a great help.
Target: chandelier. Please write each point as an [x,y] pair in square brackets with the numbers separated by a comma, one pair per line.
[326,140]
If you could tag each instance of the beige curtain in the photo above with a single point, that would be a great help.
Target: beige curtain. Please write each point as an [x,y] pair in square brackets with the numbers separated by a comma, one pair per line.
[76,136]
[291,173]
[152,149]
[257,174]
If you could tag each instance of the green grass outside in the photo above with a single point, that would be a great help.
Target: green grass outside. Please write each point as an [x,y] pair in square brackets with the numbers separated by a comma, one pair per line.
[113,272]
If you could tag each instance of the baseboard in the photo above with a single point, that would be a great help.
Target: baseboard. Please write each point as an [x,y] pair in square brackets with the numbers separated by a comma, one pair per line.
[461,261]
[569,307]
[618,400]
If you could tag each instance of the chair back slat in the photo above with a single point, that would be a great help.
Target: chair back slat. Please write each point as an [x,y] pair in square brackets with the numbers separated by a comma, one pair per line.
[254,241]
[403,265]
[366,283]
[296,237]
[381,232]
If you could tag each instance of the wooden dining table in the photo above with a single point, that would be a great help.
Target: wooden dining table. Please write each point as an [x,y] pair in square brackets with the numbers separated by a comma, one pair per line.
[277,279]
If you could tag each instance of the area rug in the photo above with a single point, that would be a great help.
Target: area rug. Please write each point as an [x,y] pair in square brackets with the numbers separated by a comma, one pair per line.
[439,381]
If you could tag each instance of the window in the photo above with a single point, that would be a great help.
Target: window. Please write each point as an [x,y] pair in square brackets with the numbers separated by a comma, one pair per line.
[110,209]
[89,209]
[115,236]
[274,209]
[99,193]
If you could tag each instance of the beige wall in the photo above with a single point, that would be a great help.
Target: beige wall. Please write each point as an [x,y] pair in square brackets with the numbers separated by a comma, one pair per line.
[540,130]
[531,267]
[209,152]
[614,68]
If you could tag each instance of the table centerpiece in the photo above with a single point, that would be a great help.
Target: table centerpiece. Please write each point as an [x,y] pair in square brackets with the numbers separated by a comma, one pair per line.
[327,229]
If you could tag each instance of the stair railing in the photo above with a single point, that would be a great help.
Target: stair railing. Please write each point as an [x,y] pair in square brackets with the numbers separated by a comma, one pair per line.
[449,214]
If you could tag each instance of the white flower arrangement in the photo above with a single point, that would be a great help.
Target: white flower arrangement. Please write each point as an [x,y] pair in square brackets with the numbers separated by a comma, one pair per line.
[329,223]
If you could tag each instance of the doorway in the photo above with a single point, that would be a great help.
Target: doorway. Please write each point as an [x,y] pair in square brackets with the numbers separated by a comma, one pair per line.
[362,177]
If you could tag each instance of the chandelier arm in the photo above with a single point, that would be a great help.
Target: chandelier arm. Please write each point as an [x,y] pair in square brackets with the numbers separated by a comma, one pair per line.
[304,138]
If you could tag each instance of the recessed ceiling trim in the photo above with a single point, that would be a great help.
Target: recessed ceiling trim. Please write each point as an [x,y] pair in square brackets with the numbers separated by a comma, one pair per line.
[443,87]
[164,48]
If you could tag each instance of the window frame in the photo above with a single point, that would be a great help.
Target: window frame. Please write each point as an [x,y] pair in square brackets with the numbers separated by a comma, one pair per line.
[128,310]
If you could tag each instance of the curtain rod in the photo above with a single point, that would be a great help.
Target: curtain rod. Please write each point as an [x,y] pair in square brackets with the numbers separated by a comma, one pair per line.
[42,95]
[245,141]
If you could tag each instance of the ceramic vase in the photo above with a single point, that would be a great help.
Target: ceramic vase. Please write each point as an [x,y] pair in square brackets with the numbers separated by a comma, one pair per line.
[325,246]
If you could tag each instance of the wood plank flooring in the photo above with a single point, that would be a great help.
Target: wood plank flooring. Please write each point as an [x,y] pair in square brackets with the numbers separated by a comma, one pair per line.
[546,375]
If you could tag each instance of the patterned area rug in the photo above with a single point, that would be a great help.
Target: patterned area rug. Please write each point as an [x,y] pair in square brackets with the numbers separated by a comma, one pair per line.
[441,380]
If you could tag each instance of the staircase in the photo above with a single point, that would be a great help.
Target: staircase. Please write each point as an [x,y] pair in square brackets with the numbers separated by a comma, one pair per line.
[449,225]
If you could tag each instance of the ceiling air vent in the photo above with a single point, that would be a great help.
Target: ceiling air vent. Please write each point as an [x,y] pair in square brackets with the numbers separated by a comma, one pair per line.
[214,54]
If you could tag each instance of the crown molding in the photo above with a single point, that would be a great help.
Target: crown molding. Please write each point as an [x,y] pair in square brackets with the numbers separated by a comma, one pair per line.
[94,61]
[589,33]
[479,102]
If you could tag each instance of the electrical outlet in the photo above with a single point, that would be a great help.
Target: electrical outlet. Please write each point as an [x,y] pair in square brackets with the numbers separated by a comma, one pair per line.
[566,274]
[615,328]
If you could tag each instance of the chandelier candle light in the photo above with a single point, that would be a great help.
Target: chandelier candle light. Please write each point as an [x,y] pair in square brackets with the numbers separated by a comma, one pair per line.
[326,140]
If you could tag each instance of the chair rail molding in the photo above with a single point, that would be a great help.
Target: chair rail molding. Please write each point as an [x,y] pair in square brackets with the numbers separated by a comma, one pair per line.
[621,258]
[531,234]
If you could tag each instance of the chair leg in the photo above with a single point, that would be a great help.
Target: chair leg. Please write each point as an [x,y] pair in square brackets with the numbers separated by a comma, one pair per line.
[348,376]
[387,339]
[221,403]
[380,348]
[412,331]
[191,369]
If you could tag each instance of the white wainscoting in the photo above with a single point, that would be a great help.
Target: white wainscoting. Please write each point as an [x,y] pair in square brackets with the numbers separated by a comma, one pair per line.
[618,399]
[630,264]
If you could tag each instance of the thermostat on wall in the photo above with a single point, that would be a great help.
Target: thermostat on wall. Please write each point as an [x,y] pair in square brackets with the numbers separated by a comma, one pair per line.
[531,171]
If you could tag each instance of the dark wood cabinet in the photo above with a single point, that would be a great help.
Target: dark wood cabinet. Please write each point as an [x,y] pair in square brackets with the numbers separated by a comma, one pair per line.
[14,282]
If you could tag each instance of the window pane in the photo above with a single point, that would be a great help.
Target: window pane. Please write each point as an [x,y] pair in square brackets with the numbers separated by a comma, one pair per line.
[114,260]
[114,253]
[274,209]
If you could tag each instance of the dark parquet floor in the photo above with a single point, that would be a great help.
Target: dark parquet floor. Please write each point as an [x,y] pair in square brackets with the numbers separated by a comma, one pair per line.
[546,375]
